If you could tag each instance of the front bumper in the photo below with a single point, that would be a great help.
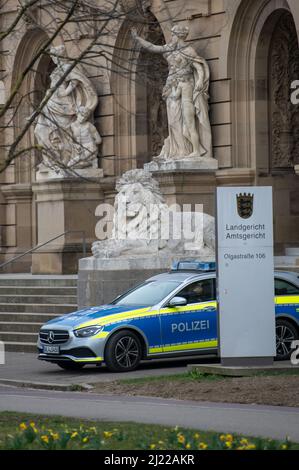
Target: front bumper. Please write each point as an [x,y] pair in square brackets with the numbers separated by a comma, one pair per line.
[81,350]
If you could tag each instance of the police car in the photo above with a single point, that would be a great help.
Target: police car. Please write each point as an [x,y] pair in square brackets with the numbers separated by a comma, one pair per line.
[169,315]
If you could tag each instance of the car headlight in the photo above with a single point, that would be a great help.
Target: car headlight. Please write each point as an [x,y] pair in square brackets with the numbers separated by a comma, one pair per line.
[88,331]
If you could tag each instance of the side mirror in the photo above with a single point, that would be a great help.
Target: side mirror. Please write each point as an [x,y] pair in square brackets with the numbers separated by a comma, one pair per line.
[177,302]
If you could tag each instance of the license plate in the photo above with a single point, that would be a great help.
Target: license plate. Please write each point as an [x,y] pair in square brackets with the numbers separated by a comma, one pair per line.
[51,349]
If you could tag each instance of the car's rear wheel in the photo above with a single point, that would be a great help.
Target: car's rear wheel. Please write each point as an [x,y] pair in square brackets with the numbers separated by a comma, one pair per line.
[286,333]
[70,365]
[123,352]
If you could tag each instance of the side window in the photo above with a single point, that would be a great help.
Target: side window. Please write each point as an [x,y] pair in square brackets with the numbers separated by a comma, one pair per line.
[199,291]
[283,287]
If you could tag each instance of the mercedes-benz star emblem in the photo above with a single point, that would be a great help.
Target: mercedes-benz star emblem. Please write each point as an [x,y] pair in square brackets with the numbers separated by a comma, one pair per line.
[51,336]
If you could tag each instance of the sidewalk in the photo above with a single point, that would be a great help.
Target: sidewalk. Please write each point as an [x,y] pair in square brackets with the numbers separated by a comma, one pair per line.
[24,369]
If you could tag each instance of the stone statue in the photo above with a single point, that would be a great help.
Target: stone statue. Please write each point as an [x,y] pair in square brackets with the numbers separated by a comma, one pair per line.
[57,128]
[186,95]
[139,213]
[87,139]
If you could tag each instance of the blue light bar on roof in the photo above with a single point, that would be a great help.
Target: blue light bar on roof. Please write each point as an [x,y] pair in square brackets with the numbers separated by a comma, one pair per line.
[193,266]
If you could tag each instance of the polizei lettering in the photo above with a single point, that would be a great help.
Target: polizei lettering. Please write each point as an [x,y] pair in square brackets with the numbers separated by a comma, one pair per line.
[196,325]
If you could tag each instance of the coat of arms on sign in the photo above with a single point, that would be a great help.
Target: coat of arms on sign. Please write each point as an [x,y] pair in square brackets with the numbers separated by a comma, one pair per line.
[245,205]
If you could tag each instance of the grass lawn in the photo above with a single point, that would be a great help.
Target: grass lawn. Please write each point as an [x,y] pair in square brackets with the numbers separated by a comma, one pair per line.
[27,431]
[201,376]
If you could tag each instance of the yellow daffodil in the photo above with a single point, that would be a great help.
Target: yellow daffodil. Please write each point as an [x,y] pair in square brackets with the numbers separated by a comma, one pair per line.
[222,437]
[196,436]
[228,444]
[23,427]
[153,446]
[251,447]
[284,447]
[45,439]
[202,445]
[107,434]
[55,436]
[229,438]
[244,442]
[181,439]
[85,439]
[74,434]
[188,446]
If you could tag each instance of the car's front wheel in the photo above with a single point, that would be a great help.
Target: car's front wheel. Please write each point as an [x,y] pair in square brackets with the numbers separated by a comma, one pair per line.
[123,351]
[286,333]
[68,365]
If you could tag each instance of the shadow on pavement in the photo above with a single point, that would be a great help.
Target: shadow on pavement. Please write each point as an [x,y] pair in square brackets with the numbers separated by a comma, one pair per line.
[150,365]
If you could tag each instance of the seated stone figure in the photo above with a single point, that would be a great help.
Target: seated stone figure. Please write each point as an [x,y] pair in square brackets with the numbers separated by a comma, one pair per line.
[144,225]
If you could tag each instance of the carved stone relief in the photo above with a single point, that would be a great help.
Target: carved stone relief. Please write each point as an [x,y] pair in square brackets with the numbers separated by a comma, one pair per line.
[284,116]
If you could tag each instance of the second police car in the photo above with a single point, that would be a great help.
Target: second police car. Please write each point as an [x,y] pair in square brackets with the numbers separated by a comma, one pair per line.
[169,315]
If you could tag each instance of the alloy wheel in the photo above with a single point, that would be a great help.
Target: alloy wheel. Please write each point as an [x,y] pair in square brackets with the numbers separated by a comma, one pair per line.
[126,352]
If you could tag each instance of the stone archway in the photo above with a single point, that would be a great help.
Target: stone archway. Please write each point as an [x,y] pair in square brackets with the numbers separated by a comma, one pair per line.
[283,69]
[277,123]
[137,83]
[21,209]
[151,114]
[31,91]
[263,61]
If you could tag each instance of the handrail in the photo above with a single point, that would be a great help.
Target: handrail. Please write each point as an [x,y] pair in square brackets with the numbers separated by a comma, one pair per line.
[12,260]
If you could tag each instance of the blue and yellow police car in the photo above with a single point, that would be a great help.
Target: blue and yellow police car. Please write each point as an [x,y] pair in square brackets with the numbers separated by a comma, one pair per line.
[169,315]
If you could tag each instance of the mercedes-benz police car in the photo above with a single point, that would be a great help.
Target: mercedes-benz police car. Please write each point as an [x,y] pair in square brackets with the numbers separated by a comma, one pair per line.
[169,315]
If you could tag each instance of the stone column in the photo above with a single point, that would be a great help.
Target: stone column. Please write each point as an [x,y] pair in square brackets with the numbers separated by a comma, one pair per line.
[64,205]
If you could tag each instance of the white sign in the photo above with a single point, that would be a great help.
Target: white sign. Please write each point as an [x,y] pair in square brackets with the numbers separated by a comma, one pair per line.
[245,272]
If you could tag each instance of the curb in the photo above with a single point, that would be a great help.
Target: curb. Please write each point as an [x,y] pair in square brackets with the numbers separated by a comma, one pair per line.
[47,386]
[249,371]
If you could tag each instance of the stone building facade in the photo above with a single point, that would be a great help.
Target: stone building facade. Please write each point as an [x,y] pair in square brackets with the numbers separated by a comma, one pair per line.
[252,51]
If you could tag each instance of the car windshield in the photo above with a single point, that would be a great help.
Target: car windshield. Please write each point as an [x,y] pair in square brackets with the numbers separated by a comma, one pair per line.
[147,294]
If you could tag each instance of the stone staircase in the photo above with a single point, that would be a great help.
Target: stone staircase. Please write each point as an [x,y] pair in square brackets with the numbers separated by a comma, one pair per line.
[27,302]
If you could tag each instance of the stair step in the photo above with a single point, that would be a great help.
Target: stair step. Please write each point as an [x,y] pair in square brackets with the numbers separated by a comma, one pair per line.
[24,327]
[27,302]
[39,299]
[21,317]
[37,290]
[40,308]
[292,251]
[14,280]
[20,347]
[18,337]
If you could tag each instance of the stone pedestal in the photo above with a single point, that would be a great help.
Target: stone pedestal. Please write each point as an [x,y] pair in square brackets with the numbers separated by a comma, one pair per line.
[45,174]
[101,280]
[64,205]
[181,186]
[202,164]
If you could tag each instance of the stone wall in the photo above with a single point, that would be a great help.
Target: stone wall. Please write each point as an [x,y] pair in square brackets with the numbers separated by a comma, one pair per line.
[234,36]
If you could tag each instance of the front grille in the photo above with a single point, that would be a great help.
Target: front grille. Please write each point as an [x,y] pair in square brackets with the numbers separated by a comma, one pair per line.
[53,336]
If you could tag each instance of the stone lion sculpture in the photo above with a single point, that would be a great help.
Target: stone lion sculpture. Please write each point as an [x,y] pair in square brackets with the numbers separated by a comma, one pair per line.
[143,224]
